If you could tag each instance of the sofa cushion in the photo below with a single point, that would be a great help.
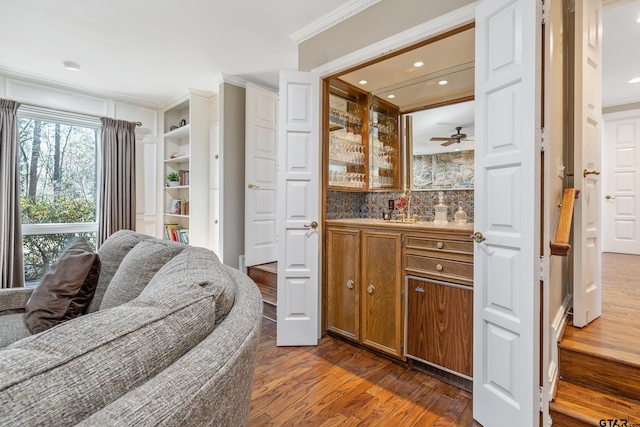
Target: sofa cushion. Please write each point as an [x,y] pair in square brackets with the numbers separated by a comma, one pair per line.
[137,268]
[111,253]
[44,378]
[13,327]
[65,290]
[201,266]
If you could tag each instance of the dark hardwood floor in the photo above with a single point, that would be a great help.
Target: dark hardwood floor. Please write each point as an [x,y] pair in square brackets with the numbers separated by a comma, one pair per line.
[338,384]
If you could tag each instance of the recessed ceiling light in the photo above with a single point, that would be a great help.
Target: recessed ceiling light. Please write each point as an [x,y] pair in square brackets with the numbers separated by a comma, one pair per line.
[635,80]
[363,82]
[418,64]
[457,149]
[70,65]
[391,96]
[442,82]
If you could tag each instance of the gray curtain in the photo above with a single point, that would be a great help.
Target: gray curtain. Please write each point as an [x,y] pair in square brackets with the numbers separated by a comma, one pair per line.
[11,263]
[118,178]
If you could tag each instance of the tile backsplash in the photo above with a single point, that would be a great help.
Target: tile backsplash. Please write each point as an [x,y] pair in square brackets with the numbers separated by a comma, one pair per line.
[343,204]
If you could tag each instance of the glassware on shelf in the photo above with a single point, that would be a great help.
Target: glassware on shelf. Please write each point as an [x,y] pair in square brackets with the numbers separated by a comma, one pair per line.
[460,217]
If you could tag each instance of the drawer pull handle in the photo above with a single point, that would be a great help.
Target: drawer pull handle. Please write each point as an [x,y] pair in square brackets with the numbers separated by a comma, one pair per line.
[439,267]
[350,284]
[419,289]
[371,289]
[440,245]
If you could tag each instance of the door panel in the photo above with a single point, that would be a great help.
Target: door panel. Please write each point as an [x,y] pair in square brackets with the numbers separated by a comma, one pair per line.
[380,292]
[587,246]
[298,216]
[260,175]
[507,212]
[343,282]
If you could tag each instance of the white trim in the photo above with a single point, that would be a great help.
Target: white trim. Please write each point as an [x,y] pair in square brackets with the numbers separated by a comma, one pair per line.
[448,21]
[220,78]
[557,327]
[329,20]
[74,227]
[59,116]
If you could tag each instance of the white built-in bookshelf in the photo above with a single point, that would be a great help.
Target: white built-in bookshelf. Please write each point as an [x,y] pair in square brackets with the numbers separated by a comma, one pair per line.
[186,153]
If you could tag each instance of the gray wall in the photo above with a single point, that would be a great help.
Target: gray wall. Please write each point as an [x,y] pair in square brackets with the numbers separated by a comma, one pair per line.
[232,125]
[378,22]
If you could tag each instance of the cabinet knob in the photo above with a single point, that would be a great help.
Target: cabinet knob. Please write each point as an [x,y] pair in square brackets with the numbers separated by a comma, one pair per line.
[371,289]
[350,284]
[439,267]
[440,245]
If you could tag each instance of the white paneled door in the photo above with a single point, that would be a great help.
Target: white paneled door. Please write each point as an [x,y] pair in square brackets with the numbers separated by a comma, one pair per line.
[261,143]
[506,361]
[621,176]
[587,292]
[298,209]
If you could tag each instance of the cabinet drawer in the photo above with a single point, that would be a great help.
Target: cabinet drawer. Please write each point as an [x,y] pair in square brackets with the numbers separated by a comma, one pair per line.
[454,271]
[415,242]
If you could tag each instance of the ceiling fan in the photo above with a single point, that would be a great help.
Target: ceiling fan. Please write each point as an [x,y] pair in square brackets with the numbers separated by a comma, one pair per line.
[455,138]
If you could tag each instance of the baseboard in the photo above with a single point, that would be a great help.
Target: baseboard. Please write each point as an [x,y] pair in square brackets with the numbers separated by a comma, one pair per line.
[557,330]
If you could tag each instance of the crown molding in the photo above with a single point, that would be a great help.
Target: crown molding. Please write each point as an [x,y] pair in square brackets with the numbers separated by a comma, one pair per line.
[456,18]
[225,78]
[80,90]
[338,15]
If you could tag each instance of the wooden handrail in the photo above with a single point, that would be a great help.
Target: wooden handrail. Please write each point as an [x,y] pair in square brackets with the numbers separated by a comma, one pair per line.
[561,245]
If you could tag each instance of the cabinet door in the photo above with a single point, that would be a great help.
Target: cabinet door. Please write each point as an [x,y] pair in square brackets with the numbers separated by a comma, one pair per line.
[440,324]
[381,292]
[343,275]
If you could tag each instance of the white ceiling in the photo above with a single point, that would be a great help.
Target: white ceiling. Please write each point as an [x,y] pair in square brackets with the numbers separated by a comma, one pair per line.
[154,50]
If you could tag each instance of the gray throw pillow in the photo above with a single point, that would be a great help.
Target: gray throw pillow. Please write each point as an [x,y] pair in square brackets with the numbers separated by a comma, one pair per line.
[65,290]
[136,270]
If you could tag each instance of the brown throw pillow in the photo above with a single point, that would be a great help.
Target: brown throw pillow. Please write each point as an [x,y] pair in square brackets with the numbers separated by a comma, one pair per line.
[65,290]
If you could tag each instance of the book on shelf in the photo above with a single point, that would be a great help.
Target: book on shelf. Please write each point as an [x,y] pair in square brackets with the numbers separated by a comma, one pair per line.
[184,176]
[176,232]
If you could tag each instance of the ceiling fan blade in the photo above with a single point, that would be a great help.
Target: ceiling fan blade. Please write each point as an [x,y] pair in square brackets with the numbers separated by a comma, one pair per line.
[446,144]
[437,138]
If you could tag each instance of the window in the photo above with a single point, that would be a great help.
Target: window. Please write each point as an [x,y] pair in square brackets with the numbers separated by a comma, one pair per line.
[58,183]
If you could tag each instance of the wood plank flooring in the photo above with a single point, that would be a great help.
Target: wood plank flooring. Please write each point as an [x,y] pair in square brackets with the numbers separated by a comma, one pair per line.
[600,363]
[338,384]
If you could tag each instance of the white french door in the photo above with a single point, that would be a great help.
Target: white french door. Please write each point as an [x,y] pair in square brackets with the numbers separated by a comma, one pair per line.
[261,144]
[507,213]
[298,209]
[587,292]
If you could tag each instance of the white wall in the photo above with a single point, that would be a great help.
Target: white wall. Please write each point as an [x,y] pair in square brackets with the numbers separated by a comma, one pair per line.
[29,91]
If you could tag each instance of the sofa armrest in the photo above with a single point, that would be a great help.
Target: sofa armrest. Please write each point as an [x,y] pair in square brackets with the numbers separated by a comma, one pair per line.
[14,298]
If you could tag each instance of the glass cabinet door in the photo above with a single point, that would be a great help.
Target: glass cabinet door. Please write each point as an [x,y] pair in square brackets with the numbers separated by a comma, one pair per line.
[347,140]
[384,160]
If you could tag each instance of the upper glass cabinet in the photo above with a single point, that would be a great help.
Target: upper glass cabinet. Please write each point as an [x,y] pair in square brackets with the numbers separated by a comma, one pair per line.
[362,140]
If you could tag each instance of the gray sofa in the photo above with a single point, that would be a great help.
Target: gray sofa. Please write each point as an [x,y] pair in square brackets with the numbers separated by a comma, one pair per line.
[170,338]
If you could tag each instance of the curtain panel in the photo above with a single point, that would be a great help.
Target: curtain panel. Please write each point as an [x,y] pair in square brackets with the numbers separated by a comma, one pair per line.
[11,260]
[117,199]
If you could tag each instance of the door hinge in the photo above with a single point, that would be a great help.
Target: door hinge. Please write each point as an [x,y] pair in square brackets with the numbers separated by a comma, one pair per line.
[541,399]
[542,139]
[542,11]
[401,295]
[402,242]
[401,348]
[543,268]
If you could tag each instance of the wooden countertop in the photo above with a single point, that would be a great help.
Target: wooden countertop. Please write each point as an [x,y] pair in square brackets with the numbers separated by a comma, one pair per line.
[407,226]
